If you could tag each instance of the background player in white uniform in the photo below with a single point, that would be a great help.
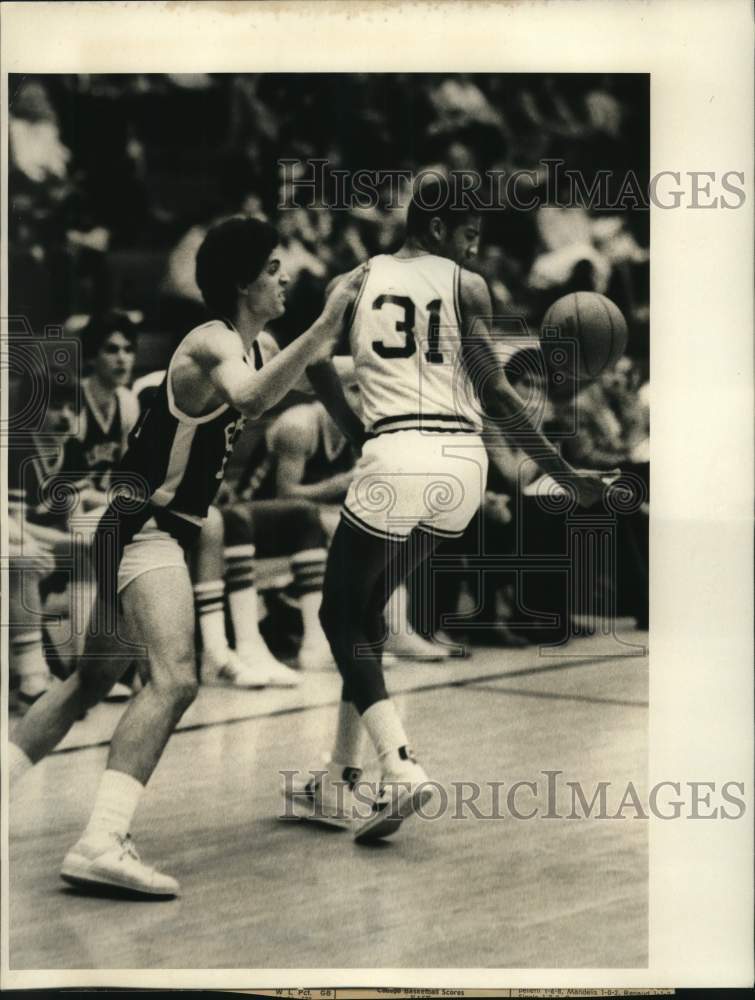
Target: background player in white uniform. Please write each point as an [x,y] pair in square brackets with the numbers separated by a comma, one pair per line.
[421,340]
[174,466]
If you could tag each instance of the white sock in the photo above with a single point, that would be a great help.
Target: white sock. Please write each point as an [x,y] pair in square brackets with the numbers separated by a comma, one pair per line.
[397,612]
[350,737]
[18,763]
[27,661]
[387,732]
[115,805]
[310,615]
[242,596]
[208,601]
[308,569]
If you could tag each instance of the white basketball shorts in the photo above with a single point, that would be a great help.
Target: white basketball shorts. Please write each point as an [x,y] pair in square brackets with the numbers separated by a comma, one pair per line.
[414,479]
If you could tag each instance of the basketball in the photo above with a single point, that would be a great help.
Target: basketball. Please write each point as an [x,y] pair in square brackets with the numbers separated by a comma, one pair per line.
[582,335]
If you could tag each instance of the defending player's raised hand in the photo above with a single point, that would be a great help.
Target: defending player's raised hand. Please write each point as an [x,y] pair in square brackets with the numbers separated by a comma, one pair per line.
[343,293]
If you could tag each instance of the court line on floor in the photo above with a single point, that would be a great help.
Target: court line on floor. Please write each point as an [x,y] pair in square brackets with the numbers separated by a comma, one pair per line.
[297,709]
[628,703]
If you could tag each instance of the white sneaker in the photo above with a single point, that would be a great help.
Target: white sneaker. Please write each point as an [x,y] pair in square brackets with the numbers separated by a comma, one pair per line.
[410,646]
[113,862]
[236,673]
[400,796]
[321,800]
[260,659]
[315,656]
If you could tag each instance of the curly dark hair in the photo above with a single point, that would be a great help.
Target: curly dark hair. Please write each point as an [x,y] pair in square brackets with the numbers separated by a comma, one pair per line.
[231,255]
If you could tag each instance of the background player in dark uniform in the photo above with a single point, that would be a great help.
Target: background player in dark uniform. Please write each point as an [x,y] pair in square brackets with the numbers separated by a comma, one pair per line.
[172,470]
[108,408]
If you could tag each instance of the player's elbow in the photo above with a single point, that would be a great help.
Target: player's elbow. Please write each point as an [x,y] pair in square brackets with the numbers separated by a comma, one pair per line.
[250,406]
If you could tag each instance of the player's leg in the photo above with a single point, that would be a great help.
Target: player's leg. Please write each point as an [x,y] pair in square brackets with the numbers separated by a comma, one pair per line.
[212,575]
[106,656]
[28,666]
[207,572]
[294,528]
[356,562]
[158,608]
[363,569]
[403,780]
[241,532]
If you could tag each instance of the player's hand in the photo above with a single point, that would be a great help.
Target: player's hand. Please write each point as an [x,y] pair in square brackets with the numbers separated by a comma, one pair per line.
[588,486]
[332,318]
[497,507]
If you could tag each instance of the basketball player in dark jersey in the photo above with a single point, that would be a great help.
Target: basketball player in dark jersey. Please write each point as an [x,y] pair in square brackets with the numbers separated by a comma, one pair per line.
[427,375]
[108,408]
[171,472]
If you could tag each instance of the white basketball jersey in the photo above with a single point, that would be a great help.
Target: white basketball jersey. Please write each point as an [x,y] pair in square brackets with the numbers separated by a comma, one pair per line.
[406,345]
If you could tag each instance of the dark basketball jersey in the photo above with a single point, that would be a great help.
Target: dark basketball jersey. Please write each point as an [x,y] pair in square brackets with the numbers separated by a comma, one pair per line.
[99,445]
[176,462]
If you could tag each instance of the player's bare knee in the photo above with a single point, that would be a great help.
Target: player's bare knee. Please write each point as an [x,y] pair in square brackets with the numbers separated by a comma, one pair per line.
[176,681]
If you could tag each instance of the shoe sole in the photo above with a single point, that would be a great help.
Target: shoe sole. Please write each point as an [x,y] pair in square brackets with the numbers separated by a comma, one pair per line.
[306,813]
[78,874]
[236,687]
[386,824]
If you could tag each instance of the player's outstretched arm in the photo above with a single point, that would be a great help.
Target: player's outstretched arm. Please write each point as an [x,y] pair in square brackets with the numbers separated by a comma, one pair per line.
[255,392]
[327,384]
[501,401]
[323,376]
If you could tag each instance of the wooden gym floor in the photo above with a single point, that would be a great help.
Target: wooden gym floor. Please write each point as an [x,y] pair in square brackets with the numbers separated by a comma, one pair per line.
[449,893]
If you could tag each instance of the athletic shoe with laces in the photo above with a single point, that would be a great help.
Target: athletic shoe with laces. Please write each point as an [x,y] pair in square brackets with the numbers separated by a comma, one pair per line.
[323,800]
[114,863]
[399,796]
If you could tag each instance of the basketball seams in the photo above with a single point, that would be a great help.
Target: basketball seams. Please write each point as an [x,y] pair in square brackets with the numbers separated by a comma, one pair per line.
[576,314]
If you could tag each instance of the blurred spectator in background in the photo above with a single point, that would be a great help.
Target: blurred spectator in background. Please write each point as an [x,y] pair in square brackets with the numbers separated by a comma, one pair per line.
[40,547]
[109,410]
[36,152]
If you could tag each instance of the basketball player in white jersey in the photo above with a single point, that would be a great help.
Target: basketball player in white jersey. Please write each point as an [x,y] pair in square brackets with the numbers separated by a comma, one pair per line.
[420,334]
[173,468]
